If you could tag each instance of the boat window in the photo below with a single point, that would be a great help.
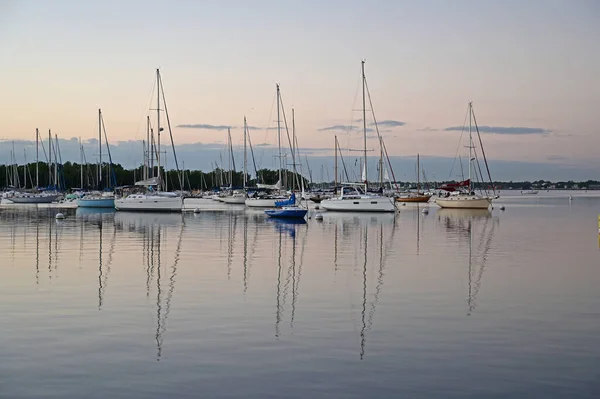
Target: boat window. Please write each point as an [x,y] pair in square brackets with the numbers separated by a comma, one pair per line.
[355,203]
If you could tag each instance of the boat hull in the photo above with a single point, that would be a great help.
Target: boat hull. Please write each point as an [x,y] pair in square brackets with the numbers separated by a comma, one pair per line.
[378,204]
[286,213]
[96,203]
[465,202]
[262,202]
[234,200]
[149,204]
[416,198]
[42,199]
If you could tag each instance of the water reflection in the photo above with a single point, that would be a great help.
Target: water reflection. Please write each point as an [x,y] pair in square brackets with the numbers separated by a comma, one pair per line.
[469,225]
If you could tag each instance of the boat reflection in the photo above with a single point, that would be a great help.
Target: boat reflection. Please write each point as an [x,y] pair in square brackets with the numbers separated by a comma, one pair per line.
[467,225]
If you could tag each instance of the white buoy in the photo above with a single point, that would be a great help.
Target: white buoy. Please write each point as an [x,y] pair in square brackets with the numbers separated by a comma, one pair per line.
[570,198]
[502,207]
[196,210]
[59,216]
[425,211]
[318,216]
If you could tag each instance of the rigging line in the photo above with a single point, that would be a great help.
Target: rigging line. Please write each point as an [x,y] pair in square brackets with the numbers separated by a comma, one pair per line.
[162,89]
[483,151]
[381,142]
[143,119]
[110,166]
[267,129]
[458,148]
[289,142]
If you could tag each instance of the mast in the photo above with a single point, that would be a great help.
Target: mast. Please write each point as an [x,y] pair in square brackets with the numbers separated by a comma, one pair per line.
[49,157]
[470,142]
[158,126]
[418,175]
[335,163]
[55,162]
[278,133]
[81,162]
[100,148]
[230,149]
[245,155]
[380,162]
[364,120]
[37,158]
[147,149]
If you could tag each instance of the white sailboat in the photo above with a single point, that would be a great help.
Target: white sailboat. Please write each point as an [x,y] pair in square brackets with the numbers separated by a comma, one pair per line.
[461,195]
[352,197]
[269,199]
[235,197]
[100,199]
[33,197]
[153,199]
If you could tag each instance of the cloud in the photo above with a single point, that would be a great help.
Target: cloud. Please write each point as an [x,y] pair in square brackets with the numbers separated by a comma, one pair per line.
[427,129]
[254,128]
[262,145]
[205,126]
[555,158]
[337,127]
[389,123]
[503,130]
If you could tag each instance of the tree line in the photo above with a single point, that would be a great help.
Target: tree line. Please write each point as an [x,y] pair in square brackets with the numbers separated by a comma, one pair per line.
[74,175]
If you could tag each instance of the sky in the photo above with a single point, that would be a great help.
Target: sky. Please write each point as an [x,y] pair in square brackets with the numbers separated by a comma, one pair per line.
[530,69]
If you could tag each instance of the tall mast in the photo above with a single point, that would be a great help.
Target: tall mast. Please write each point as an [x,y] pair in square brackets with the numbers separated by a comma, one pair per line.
[230,148]
[25,168]
[49,156]
[380,161]
[158,125]
[37,158]
[335,164]
[470,142]
[147,149]
[55,162]
[418,174]
[100,148]
[245,155]
[364,120]
[278,133]
[81,162]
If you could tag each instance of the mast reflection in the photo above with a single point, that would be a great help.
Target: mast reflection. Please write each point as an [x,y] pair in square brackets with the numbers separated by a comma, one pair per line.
[464,224]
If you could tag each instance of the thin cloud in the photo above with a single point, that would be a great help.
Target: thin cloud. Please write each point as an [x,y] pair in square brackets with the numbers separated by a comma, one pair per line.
[555,158]
[389,123]
[205,126]
[337,127]
[427,129]
[504,130]
[254,128]
[262,145]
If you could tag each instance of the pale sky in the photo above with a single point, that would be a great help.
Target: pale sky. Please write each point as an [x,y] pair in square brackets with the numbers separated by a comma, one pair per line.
[524,64]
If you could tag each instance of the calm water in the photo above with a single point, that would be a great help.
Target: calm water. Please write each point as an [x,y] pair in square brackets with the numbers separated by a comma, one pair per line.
[225,304]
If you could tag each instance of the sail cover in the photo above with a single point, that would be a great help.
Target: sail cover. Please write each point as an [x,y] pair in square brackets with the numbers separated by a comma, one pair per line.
[288,202]
[454,186]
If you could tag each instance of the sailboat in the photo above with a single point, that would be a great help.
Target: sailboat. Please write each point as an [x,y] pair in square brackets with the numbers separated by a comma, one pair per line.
[153,199]
[461,195]
[43,197]
[417,196]
[353,197]
[288,209]
[103,199]
[268,198]
[235,196]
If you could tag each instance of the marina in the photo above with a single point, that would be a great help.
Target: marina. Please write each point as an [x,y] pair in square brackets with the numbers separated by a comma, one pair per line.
[368,299]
